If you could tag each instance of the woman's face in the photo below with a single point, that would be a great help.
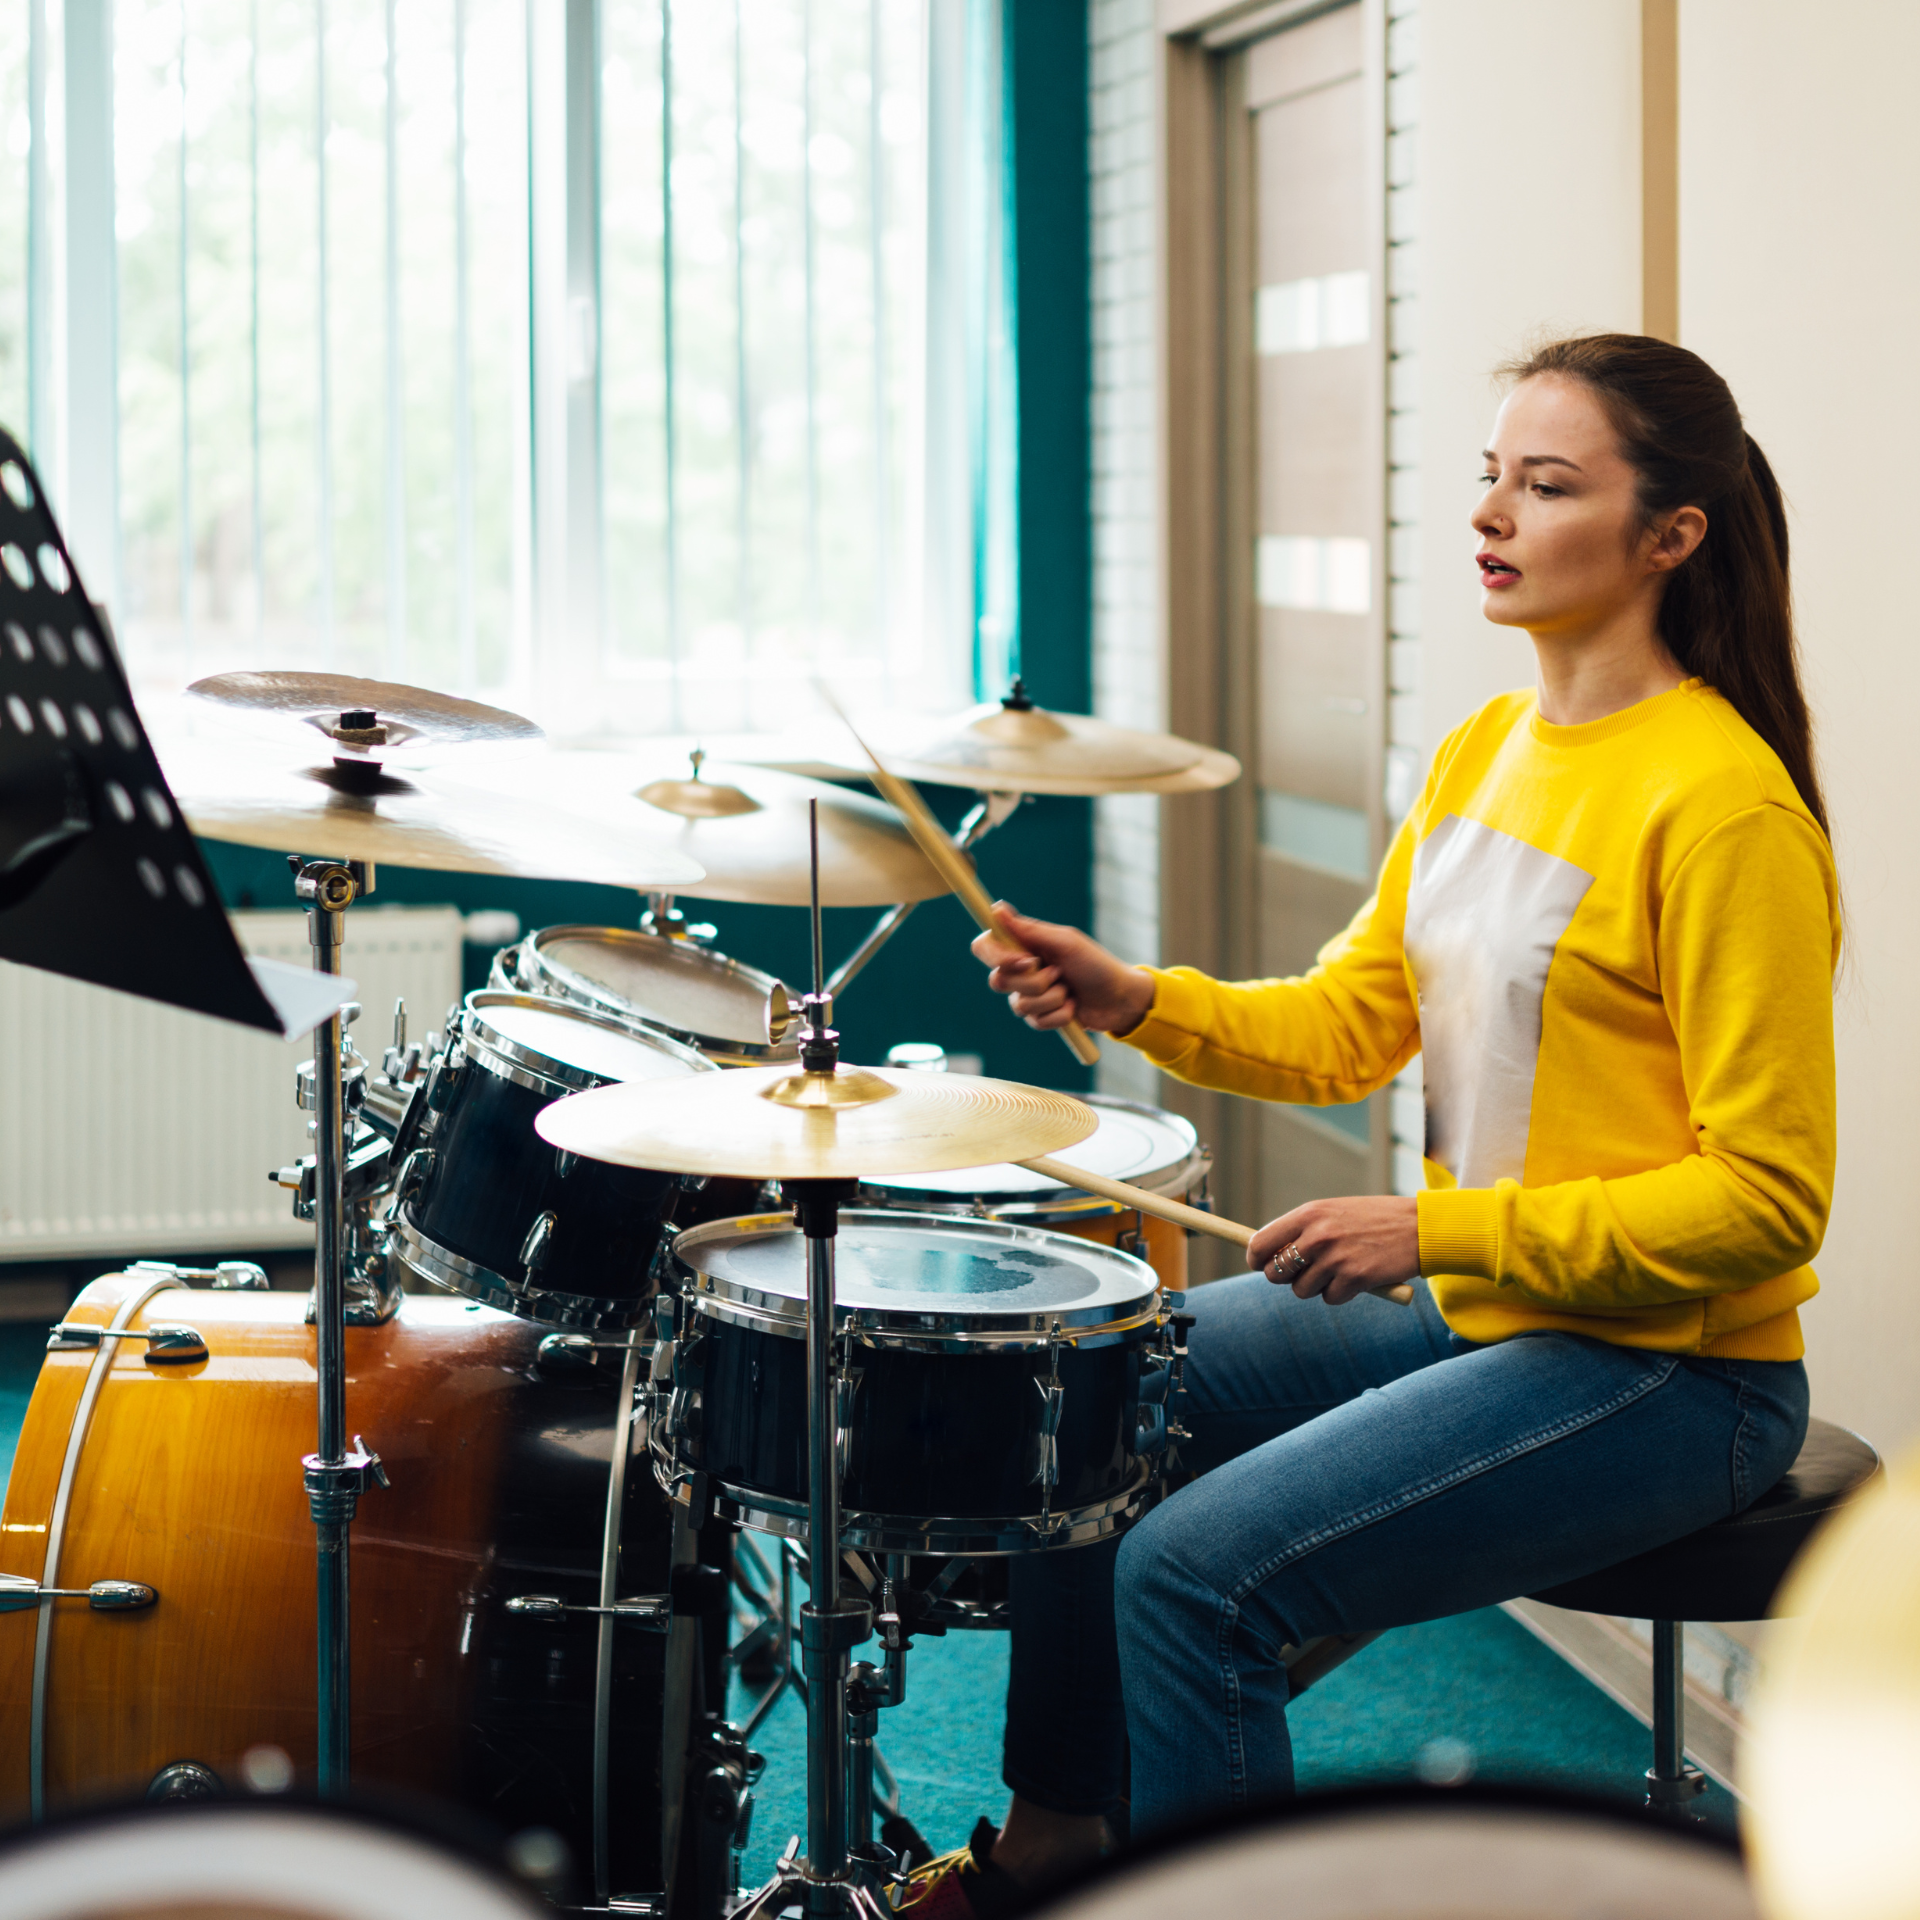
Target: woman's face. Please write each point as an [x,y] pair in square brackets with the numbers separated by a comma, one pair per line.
[1562,548]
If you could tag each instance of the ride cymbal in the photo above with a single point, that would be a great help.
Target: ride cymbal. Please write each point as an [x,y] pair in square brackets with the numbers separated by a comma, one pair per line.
[358,811]
[362,719]
[763,1123]
[1013,746]
[746,825]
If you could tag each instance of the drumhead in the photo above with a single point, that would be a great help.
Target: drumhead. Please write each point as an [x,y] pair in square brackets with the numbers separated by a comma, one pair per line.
[700,997]
[246,1861]
[572,1045]
[1145,1145]
[918,1274]
[1446,1854]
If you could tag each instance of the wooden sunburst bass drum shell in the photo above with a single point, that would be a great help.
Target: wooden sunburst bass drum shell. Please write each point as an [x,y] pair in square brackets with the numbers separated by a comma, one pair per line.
[188,1478]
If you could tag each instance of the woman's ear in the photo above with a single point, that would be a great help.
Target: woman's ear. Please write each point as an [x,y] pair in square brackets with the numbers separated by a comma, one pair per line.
[1676,540]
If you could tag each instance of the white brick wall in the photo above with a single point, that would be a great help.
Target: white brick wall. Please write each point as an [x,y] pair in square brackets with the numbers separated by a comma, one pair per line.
[1126,587]
[1406,748]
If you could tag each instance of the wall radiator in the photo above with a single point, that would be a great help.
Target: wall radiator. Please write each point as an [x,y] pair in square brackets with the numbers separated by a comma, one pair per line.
[129,1128]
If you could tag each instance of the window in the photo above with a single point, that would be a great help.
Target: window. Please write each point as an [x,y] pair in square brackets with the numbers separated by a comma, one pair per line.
[569,354]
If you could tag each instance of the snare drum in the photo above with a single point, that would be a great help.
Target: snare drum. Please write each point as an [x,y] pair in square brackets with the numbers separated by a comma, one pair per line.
[1000,1389]
[1145,1145]
[703,999]
[486,1208]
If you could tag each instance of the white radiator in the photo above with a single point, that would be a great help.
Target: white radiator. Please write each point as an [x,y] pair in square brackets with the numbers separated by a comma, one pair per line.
[131,1128]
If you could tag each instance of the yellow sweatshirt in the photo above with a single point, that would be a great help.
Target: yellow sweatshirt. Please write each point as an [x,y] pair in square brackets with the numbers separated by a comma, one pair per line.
[1615,945]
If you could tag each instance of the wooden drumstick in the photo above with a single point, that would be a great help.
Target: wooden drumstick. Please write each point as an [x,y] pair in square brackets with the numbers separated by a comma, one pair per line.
[957,871]
[1175,1211]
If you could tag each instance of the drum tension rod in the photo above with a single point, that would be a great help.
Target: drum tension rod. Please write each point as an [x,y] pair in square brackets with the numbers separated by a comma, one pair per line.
[19,1590]
[166,1346]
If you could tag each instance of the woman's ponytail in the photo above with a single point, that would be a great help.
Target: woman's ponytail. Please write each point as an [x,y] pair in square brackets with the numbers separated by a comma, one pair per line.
[1727,613]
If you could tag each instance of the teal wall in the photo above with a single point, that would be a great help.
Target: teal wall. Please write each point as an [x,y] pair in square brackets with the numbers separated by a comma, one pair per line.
[925,985]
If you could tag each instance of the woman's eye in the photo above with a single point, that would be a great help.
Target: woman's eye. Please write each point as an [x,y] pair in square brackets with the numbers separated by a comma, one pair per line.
[1487,479]
[1546,492]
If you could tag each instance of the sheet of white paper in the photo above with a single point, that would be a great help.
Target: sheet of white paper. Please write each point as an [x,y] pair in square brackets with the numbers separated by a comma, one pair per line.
[301,997]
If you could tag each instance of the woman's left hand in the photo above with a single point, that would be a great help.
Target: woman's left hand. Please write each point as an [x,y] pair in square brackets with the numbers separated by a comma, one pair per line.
[1340,1248]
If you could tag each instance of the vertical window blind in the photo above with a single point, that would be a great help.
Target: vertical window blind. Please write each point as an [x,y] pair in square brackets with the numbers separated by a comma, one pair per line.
[568,352]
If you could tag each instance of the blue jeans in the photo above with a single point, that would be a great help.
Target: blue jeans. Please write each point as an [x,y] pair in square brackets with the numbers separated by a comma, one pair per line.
[1362,1467]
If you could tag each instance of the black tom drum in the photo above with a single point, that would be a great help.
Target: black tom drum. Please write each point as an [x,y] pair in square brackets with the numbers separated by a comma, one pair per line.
[999,1389]
[486,1208]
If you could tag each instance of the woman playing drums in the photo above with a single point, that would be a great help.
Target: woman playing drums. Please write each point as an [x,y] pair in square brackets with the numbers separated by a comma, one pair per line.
[1609,925]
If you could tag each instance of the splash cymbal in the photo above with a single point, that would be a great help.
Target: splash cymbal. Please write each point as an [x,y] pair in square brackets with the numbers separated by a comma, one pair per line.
[359,811]
[1013,746]
[361,719]
[746,825]
[773,1123]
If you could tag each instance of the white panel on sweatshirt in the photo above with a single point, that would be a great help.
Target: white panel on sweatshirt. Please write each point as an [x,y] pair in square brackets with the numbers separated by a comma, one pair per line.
[1484,914]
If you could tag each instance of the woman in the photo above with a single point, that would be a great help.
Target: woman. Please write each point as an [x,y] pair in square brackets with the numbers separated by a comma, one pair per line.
[1609,925]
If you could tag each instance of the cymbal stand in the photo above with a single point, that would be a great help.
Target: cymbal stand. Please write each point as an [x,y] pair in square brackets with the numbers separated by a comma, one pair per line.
[826,1879]
[334,1475]
[990,811]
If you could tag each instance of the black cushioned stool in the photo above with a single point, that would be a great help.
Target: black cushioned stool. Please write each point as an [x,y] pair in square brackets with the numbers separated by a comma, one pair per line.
[1728,1571]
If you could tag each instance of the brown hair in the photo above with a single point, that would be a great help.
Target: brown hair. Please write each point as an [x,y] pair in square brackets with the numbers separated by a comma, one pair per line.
[1727,611]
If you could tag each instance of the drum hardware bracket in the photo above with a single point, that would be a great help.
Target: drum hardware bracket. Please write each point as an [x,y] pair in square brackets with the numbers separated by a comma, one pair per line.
[166,1346]
[334,1487]
[652,1612]
[18,1591]
[230,1276]
[1046,1473]
[534,1248]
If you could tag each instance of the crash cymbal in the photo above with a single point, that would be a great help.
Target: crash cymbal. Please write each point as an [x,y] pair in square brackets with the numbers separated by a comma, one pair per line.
[1013,746]
[361,719]
[356,811]
[773,1123]
[747,826]
[1831,1759]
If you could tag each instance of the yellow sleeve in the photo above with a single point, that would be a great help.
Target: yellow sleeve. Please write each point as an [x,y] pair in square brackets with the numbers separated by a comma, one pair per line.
[1329,1037]
[1748,938]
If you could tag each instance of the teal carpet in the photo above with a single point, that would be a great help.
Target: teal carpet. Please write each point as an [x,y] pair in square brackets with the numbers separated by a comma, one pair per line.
[1475,1696]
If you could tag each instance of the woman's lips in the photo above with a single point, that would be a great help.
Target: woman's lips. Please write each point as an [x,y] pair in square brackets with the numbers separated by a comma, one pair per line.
[1495,574]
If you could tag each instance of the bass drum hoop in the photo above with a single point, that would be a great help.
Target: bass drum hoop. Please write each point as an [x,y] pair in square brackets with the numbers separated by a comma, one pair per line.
[1059,1207]
[539,973]
[454,1273]
[993,1535]
[785,1315]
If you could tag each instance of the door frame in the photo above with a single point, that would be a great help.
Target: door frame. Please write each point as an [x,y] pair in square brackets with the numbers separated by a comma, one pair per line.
[1208,842]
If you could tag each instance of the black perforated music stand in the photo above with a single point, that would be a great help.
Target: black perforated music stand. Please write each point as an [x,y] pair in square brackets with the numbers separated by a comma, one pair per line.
[100,877]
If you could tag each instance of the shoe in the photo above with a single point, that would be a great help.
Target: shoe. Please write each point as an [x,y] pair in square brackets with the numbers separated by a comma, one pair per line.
[963,1884]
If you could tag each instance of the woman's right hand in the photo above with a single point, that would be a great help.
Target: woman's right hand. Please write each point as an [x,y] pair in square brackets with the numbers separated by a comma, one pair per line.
[1052,974]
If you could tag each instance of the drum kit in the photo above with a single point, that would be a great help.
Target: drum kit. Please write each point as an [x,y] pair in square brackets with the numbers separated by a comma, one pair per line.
[621,1260]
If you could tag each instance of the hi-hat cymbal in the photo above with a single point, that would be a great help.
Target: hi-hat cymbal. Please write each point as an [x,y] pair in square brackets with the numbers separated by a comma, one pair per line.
[747,826]
[362,719]
[760,1123]
[1831,1758]
[1012,746]
[355,811]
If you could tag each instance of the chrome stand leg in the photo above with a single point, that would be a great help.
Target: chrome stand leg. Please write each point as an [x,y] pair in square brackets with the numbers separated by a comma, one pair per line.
[1672,1785]
[334,1475]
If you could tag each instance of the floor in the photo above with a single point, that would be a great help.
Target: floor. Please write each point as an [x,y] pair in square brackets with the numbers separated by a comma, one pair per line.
[1472,1695]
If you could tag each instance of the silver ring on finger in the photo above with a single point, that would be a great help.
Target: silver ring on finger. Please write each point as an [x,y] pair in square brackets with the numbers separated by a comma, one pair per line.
[1288,1264]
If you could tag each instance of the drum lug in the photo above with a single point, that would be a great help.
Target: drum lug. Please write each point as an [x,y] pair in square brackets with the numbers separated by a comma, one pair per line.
[534,1248]
[186,1780]
[846,1386]
[18,1590]
[414,1170]
[166,1346]
[651,1612]
[1046,1475]
[230,1276]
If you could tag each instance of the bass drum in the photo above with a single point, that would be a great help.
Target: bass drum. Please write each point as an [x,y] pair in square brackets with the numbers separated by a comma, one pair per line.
[508,1470]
